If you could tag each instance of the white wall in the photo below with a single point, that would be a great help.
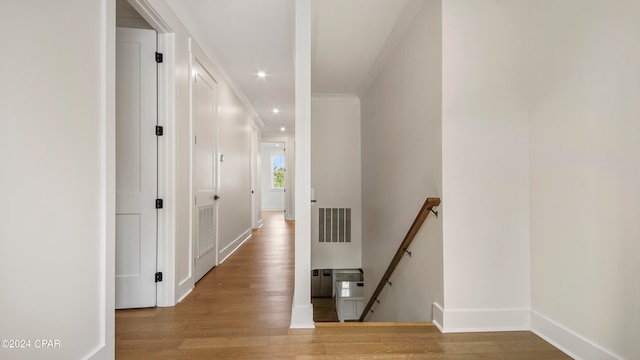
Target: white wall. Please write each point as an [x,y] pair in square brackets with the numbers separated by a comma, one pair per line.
[272,199]
[485,164]
[234,142]
[585,172]
[335,176]
[57,154]
[128,17]
[401,167]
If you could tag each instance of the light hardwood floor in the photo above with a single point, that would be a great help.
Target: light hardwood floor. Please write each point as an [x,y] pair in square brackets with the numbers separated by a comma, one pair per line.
[242,309]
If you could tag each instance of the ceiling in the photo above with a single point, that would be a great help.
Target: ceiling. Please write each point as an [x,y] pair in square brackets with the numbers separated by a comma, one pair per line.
[347,36]
[245,37]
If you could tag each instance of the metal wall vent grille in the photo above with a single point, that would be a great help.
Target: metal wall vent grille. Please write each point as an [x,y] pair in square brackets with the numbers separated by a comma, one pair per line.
[205,230]
[334,225]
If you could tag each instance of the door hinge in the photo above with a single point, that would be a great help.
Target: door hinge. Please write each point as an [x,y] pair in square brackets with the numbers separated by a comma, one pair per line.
[158,276]
[159,204]
[159,130]
[158,57]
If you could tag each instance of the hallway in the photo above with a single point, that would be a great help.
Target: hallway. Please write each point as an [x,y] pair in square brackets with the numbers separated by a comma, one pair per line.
[246,298]
[242,309]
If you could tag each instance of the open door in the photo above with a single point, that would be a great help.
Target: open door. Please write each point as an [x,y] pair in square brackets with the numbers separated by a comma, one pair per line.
[203,167]
[136,168]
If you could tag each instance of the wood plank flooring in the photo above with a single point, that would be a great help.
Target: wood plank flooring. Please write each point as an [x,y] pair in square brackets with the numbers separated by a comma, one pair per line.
[242,309]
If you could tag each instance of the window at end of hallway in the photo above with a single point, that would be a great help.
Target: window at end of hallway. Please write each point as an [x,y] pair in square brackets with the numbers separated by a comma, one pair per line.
[277,171]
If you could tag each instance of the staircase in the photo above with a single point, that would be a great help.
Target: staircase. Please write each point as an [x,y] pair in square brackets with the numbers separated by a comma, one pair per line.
[403,249]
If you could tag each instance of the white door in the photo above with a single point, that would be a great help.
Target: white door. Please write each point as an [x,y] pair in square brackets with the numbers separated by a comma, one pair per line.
[136,168]
[204,180]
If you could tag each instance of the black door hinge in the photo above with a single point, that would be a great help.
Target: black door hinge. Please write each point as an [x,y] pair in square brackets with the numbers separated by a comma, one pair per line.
[159,204]
[158,276]
[158,57]
[159,130]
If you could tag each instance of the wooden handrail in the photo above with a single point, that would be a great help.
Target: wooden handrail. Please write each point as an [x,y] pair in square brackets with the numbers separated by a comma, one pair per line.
[428,206]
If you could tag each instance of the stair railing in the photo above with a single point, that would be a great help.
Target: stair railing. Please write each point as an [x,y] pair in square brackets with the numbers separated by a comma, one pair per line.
[427,208]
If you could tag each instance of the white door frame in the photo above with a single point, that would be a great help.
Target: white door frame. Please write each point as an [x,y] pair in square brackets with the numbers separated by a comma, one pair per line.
[165,292]
[256,193]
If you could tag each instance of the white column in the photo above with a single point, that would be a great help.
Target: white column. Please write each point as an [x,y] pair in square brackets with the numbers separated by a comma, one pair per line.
[302,311]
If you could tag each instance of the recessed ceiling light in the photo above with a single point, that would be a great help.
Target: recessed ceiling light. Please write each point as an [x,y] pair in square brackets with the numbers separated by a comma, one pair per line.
[282,128]
[262,74]
[276,110]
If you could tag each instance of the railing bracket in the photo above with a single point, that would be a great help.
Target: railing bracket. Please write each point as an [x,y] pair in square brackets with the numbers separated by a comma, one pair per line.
[388,282]
[434,212]
[408,252]
[378,301]
[371,310]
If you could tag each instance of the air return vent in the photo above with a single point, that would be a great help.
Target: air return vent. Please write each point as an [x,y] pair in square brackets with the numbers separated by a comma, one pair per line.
[334,225]
[205,230]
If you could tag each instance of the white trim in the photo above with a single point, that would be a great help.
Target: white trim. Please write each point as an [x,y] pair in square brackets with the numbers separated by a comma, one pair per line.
[331,96]
[185,295]
[481,320]
[235,244]
[105,349]
[571,343]
[255,176]
[187,291]
[437,315]
[191,272]
[302,317]
[148,13]
[273,208]
[165,291]
[260,224]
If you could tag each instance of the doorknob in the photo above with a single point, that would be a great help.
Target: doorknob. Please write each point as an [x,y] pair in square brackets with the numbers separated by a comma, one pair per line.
[216,197]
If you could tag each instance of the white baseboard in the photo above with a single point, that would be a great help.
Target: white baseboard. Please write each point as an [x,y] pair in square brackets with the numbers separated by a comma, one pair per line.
[302,317]
[272,208]
[568,341]
[437,315]
[99,353]
[483,320]
[235,245]
[184,296]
